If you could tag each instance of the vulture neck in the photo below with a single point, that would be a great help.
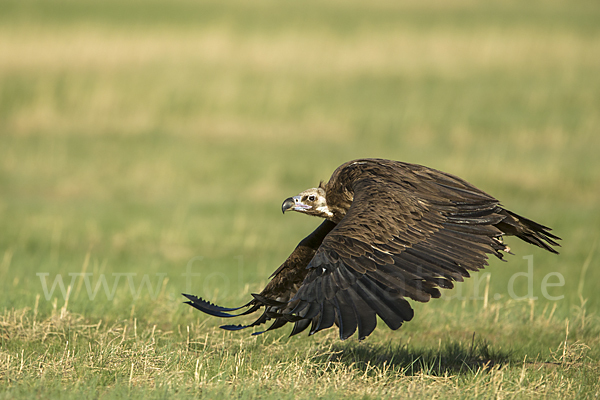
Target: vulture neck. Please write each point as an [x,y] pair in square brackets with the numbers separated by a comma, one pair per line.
[338,202]
[337,217]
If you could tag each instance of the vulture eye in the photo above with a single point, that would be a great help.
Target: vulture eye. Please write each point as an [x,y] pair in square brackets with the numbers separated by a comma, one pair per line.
[311,197]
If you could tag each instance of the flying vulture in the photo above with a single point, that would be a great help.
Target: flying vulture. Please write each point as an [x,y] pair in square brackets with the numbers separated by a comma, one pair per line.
[393,231]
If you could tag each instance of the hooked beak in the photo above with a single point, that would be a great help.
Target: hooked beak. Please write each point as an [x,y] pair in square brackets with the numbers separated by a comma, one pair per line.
[294,203]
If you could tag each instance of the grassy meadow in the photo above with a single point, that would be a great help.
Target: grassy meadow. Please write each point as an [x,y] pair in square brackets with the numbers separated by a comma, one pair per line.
[146,147]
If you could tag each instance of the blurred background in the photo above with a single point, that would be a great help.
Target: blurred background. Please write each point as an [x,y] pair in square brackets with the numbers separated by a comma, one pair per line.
[136,136]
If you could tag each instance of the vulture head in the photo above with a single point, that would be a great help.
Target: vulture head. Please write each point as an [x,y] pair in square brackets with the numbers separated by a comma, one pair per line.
[311,201]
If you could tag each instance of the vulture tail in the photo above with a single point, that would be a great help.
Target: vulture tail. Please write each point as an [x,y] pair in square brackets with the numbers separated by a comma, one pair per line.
[528,230]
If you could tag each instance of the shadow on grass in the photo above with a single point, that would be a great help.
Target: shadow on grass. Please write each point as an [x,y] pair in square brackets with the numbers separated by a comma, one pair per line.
[450,358]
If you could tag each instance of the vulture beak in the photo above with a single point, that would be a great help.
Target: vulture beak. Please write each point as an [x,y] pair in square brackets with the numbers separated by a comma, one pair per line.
[287,204]
[294,203]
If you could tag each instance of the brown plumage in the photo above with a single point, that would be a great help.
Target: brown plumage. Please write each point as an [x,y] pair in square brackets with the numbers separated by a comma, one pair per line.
[393,231]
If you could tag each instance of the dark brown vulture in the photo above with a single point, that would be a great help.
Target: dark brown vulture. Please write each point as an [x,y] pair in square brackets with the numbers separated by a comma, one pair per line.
[392,231]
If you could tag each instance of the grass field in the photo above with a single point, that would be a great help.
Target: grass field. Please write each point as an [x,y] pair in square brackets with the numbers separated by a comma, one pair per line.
[146,147]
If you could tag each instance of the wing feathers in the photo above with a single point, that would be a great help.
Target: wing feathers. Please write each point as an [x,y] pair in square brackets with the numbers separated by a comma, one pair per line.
[300,326]
[366,317]
[326,317]
[390,309]
[346,318]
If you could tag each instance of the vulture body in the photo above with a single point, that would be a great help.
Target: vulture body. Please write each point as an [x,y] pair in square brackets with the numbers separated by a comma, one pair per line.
[393,231]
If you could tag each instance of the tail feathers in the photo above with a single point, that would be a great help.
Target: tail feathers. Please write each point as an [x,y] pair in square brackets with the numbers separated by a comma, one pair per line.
[528,230]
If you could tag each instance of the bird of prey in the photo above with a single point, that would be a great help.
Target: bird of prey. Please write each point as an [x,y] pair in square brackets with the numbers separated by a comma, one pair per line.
[393,231]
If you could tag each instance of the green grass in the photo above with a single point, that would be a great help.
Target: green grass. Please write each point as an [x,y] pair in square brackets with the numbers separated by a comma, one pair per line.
[146,138]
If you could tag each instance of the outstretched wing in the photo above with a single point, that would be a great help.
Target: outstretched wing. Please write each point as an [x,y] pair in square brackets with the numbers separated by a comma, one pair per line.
[401,238]
[275,296]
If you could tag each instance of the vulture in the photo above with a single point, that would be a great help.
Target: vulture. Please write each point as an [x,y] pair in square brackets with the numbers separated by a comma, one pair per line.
[393,231]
